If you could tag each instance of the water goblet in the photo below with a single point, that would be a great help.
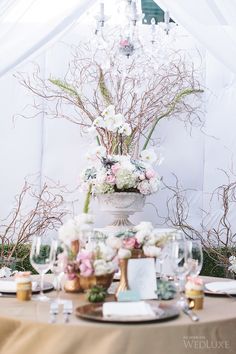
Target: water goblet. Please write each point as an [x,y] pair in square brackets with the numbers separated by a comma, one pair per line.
[194,257]
[42,255]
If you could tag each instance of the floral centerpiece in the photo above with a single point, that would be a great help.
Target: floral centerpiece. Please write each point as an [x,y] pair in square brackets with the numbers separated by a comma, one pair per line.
[85,264]
[141,241]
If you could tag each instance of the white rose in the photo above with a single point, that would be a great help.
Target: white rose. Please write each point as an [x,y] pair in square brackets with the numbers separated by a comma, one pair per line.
[114,242]
[107,252]
[68,232]
[152,251]
[124,253]
[144,225]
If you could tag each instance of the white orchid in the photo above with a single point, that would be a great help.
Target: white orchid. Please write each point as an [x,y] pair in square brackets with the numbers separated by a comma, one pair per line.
[109,111]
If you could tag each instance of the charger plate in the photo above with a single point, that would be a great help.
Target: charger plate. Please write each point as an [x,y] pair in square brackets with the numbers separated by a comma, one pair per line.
[93,312]
[36,289]
[221,288]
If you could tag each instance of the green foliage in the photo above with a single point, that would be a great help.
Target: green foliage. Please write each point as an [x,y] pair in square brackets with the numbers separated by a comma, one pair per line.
[165,290]
[211,266]
[170,109]
[67,88]
[96,294]
[103,88]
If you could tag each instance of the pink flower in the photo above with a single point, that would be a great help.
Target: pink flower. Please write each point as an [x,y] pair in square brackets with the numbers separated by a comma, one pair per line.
[150,174]
[111,179]
[124,42]
[115,167]
[84,256]
[129,243]
[86,268]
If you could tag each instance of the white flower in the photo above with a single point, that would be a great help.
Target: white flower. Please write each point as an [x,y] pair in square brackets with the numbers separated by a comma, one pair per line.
[125,179]
[109,111]
[95,153]
[114,242]
[100,267]
[149,186]
[68,232]
[99,122]
[107,252]
[125,129]
[151,251]
[144,225]
[148,155]
[124,253]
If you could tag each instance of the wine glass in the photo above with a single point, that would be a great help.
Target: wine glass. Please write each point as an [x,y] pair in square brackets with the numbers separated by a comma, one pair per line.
[179,266]
[194,257]
[58,266]
[42,255]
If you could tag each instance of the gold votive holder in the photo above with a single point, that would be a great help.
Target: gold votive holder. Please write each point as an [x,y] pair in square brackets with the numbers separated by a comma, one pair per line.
[195,299]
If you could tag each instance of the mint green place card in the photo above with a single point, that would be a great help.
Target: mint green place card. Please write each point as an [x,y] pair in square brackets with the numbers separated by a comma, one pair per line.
[128,295]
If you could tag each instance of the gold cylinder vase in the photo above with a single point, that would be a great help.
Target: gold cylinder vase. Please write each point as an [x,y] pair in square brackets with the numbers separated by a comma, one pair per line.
[123,284]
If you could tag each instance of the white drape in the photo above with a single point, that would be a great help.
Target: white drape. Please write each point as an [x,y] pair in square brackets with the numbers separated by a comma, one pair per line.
[212,22]
[27,26]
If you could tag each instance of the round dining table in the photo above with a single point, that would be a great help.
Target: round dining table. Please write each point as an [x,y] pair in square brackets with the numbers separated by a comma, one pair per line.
[25,329]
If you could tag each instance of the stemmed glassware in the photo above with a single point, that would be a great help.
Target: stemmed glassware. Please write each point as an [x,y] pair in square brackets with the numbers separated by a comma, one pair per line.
[42,256]
[178,255]
[58,266]
[194,257]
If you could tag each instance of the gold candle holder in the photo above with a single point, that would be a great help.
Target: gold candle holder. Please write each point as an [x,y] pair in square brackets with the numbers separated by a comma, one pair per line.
[123,284]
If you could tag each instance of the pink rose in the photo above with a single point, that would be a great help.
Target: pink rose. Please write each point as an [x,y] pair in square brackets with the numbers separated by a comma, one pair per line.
[150,174]
[86,268]
[129,243]
[115,167]
[111,179]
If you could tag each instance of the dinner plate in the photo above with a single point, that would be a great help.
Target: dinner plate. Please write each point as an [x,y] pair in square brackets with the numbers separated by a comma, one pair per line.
[93,312]
[220,288]
[10,287]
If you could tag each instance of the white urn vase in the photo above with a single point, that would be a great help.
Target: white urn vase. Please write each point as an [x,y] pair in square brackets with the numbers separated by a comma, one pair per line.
[121,205]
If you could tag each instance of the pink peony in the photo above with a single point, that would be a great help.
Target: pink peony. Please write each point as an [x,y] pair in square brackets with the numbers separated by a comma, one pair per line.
[129,243]
[86,268]
[150,174]
[84,255]
[115,167]
[111,179]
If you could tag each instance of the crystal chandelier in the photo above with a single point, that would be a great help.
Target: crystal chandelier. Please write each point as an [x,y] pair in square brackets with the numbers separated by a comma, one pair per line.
[126,32]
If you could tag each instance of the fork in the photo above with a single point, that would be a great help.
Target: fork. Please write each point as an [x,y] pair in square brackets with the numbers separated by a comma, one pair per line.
[67,310]
[54,310]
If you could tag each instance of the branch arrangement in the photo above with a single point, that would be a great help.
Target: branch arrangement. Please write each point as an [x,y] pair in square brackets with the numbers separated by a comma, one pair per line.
[217,232]
[46,213]
[144,90]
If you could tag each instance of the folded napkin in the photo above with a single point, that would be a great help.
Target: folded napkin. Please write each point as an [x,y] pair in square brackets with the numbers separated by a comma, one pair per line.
[126,309]
[222,287]
[9,286]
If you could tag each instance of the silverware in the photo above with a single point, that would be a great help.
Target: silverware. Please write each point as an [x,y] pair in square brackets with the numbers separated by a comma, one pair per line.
[54,310]
[67,310]
[189,313]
